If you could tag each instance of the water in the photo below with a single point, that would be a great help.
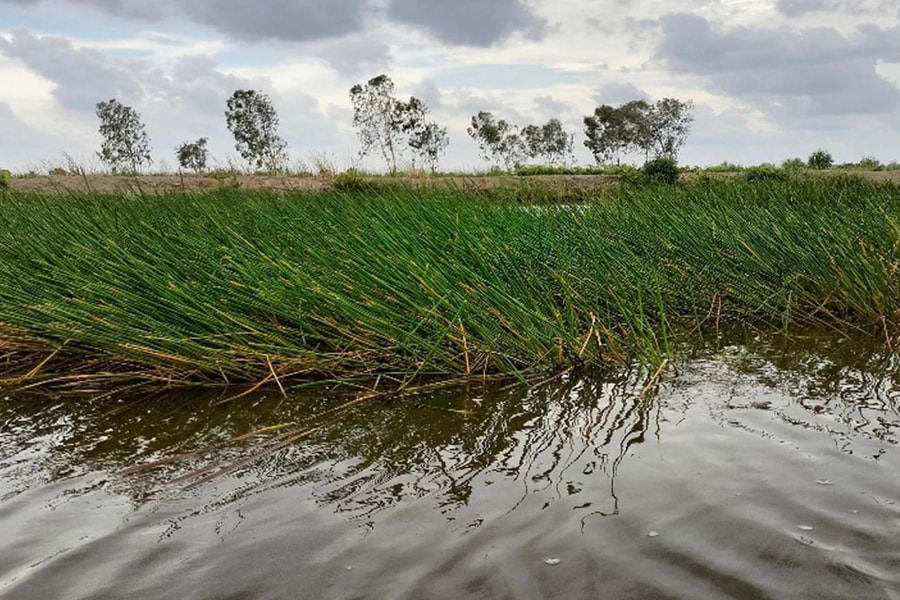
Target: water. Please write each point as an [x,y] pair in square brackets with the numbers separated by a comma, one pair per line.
[760,471]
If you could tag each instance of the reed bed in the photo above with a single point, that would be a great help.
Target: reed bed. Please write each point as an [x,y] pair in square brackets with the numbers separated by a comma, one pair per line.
[236,287]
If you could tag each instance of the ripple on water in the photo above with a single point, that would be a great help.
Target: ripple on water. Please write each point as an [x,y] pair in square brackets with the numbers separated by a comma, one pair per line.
[768,473]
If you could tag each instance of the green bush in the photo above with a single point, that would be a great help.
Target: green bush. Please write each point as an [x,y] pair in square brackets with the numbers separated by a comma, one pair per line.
[661,170]
[5,176]
[794,164]
[869,163]
[351,181]
[820,159]
[765,173]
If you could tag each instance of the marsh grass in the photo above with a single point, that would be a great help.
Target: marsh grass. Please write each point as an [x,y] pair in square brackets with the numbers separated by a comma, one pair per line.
[237,286]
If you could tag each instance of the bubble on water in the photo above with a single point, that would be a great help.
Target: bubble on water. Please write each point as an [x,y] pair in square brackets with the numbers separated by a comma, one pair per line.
[551,561]
[805,528]
[824,482]
[855,511]
[348,568]
[653,534]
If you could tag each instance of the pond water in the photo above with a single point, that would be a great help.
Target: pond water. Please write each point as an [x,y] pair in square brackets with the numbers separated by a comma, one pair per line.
[765,470]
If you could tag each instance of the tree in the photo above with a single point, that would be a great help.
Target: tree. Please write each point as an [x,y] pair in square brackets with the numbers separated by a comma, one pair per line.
[658,130]
[125,142]
[380,118]
[498,140]
[549,141]
[820,159]
[613,132]
[389,125]
[253,122]
[429,141]
[192,155]
[668,126]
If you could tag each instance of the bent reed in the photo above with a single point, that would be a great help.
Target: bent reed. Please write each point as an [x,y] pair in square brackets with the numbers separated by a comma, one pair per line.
[244,287]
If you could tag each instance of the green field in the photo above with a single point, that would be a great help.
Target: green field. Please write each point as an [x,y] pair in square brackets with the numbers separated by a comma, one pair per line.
[238,286]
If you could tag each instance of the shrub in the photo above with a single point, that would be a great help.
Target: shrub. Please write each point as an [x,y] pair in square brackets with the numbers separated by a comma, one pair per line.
[5,176]
[794,164]
[765,173]
[820,159]
[661,170]
[351,181]
[869,163]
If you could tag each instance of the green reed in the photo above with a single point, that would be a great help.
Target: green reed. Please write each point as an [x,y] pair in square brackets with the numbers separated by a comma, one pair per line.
[243,286]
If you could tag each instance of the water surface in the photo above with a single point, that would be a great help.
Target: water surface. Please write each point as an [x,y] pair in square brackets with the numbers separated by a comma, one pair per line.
[755,471]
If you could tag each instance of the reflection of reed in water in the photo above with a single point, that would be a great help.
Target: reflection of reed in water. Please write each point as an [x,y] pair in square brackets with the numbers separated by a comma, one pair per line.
[457,446]
[484,449]
[547,442]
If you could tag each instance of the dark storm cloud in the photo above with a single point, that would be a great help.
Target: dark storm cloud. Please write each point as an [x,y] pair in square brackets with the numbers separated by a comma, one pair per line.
[282,20]
[810,72]
[469,22]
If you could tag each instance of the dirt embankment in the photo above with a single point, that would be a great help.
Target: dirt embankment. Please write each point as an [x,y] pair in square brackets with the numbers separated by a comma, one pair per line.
[154,184]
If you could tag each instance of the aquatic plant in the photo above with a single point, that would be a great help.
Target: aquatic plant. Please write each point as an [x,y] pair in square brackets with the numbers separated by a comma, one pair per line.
[241,286]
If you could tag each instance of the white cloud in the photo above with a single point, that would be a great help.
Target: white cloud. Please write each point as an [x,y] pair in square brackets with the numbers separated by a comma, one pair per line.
[557,56]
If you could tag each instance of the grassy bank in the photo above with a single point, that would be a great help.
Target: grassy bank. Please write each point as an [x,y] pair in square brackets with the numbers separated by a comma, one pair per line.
[244,286]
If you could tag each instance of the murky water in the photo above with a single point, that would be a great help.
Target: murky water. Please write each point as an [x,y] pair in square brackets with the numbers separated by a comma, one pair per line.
[756,472]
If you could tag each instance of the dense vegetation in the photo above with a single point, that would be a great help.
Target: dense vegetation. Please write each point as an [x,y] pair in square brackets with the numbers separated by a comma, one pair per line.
[238,286]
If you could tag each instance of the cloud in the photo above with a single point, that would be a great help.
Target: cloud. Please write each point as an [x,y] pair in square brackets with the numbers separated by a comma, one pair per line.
[814,72]
[185,101]
[80,75]
[465,22]
[469,22]
[278,20]
[616,93]
[353,56]
[428,92]
[798,8]
[31,148]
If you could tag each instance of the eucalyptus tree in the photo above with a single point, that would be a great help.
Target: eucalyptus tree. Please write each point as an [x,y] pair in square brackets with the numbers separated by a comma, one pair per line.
[252,120]
[498,141]
[388,125]
[550,142]
[125,140]
[668,125]
[613,132]
[192,155]
[657,130]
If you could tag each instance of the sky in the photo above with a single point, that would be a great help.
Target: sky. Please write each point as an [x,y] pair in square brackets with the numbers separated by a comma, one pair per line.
[770,79]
